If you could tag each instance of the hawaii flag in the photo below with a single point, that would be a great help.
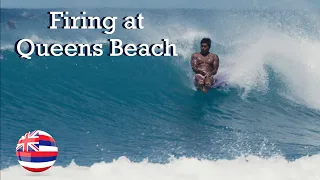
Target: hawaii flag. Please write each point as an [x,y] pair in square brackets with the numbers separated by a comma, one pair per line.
[36,151]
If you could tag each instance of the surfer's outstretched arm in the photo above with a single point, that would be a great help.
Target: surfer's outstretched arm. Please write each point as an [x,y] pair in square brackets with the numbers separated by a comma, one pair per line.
[194,65]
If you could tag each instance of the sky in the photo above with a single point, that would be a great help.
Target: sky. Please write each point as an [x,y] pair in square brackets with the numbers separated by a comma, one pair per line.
[219,4]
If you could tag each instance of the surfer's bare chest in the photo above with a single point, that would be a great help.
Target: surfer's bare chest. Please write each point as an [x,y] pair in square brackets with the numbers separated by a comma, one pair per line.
[205,59]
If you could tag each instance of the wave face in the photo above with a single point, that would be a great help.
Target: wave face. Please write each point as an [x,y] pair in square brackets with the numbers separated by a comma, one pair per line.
[142,115]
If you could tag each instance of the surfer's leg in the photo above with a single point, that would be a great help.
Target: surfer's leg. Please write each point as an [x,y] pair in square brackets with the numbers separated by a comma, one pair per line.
[198,80]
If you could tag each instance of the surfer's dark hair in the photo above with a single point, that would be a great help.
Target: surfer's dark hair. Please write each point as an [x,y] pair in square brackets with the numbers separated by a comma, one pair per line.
[207,41]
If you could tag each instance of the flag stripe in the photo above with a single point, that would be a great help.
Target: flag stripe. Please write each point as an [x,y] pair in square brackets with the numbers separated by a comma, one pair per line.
[36,169]
[46,138]
[44,133]
[37,159]
[37,154]
[46,143]
[37,165]
[48,148]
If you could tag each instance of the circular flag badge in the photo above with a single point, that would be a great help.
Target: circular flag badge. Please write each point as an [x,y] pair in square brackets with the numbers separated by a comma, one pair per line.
[36,151]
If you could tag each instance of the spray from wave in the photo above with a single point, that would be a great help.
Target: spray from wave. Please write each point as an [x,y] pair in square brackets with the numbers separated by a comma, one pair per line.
[293,59]
[251,167]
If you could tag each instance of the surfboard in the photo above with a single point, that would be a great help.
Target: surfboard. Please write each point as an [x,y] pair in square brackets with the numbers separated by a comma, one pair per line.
[220,82]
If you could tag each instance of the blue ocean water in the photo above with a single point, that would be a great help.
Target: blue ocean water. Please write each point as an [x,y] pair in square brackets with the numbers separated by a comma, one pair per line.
[141,118]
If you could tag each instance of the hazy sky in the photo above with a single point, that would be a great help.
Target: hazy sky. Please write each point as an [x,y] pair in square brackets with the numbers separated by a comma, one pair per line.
[283,4]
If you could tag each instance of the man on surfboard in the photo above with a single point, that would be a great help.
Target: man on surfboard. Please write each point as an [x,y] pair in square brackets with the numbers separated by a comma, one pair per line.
[205,65]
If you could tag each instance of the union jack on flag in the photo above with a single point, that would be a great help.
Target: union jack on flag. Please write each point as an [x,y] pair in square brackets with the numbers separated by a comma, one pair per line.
[29,142]
[36,151]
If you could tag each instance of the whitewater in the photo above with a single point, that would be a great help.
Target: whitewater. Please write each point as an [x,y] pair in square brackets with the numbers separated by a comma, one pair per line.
[141,118]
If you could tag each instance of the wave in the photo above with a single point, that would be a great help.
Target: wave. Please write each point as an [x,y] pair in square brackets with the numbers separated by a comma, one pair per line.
[249,61]
[293,60]
[259,51]
[251,167]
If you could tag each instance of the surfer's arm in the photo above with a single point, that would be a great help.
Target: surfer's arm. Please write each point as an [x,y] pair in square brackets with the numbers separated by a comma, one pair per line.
[194,66]
[215,65]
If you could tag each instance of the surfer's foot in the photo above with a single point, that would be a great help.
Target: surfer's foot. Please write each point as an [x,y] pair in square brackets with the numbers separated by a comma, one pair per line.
[201,82]
[208,85]
[209,81]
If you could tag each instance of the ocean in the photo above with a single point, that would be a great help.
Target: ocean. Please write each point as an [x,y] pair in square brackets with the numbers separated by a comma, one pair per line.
[139,118]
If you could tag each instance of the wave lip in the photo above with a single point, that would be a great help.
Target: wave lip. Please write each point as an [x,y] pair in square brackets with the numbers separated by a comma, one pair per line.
[251,167]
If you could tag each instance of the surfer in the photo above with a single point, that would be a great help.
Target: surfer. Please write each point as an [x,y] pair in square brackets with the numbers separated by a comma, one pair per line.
[205,65]
[11,24]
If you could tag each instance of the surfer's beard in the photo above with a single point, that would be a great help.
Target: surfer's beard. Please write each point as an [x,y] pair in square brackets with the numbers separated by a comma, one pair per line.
[204,53]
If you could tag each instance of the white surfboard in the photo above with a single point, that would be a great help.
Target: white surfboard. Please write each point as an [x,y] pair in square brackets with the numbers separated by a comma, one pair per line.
[220,82]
